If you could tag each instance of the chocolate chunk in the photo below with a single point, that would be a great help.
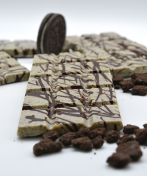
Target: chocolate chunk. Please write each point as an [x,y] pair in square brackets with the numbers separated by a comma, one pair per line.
[51,34]
[97,142]
[96,132]
[53,135]
[46,146]
[131,148]
[68,137]
[83,143]
[117,80]
[129,129]
[112,136]
[119,160]
[126,85]
[125,139]
[145,125]
[139,90]
[116,86]
[135,131]
[141,136]
[83,132]
[139,79]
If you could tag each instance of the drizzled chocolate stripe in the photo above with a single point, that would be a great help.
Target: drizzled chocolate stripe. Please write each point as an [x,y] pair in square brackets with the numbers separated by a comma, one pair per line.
[102,111]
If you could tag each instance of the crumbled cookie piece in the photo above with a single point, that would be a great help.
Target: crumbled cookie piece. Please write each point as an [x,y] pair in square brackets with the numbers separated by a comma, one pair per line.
[139,90]
[83,143]
[131,148]
[141,136]
[135,131]
[97,142]
[129,129]
[96,132]
[145,125]
[139,79]
[125,139]
[116,86]
[68,137]
[53,135]
[83,132]
[119,160]
[126,85]
[117,80]
[112,136]
[46,146]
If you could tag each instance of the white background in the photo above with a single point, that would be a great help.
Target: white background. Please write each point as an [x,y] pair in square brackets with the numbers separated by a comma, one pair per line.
[21,20]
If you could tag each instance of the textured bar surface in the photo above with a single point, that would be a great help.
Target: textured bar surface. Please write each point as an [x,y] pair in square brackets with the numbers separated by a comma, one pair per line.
[68,91]
[19,48]
[11,71]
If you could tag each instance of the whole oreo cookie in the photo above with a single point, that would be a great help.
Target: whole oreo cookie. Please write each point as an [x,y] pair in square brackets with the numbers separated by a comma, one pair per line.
[51,34]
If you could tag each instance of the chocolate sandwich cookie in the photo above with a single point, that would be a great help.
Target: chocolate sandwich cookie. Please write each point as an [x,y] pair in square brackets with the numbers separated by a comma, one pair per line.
[51,34]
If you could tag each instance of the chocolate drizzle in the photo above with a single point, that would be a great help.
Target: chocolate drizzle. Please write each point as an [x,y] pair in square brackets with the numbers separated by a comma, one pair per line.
[15,71]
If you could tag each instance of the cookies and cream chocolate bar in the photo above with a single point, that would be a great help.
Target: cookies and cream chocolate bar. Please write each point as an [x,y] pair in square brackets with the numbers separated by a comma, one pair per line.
[68,91]
[130,57]
[125,57]
[19,48]
[11,71]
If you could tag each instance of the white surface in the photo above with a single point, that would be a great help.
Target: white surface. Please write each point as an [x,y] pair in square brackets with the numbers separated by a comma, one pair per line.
[20,20]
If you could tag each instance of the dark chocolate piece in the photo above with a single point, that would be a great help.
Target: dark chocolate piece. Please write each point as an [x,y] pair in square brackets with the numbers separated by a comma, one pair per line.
[145,125]
[131,148]
[125,139]
[129,129]
[53,135]
[116,86]
[68,137]
[139,79]
[139,90]
[141,136]
[96,132]
[112,136]
[46,146]
[83,143]
[83,132]
[126,85]
[97,142]
[119,160]
[117,80]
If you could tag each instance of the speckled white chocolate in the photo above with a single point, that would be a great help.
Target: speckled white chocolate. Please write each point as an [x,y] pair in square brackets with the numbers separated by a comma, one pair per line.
[13,74]
[37,99]
[70,97]
[36,122]
[93,53]
[69,68]
[80,97]
[4,55]
[80,81]
[128,56]
[127,68]
[8,63]
[19,48]
[39,83]
[45,59]
[43,70]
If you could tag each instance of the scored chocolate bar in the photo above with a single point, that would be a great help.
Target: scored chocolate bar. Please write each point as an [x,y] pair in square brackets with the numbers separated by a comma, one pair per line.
[19,48]
[11,71]
[126,57]
[68,91]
